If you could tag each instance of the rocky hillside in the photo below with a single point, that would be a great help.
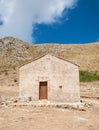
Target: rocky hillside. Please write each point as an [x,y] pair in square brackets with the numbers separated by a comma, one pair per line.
[15,52]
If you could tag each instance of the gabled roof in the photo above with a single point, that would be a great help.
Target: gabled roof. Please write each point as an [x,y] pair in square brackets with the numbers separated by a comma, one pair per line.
[50,55]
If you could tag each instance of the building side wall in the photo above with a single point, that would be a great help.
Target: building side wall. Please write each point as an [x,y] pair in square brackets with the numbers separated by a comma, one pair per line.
[62,78]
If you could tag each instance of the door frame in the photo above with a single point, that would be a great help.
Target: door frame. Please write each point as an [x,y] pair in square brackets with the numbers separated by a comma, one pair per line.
[46,85]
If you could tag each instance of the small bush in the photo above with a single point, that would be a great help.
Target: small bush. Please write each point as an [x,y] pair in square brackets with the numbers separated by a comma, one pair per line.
[15,80]
[86,76]
[6,73]
[14,72]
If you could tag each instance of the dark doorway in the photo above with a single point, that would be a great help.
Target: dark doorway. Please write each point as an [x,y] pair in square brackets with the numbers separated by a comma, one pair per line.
[43,90]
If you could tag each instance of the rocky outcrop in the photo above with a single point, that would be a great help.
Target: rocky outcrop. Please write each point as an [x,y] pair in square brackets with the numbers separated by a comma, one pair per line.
[13,51]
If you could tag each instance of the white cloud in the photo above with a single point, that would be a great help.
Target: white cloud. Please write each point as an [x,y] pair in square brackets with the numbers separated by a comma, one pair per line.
[20,16]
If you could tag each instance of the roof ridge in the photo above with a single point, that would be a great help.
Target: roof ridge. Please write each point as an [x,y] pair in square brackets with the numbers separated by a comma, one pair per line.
[50,55]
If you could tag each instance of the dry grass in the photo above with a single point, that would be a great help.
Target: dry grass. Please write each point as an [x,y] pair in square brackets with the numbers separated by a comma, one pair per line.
[17,52]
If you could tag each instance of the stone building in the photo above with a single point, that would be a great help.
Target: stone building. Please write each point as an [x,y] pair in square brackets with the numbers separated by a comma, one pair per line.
[50,78]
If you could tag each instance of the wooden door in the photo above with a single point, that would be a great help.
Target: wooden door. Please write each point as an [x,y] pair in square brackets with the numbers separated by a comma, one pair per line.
[43,90]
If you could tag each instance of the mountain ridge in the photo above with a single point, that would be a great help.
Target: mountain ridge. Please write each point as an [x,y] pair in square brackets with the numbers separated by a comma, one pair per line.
[15,52]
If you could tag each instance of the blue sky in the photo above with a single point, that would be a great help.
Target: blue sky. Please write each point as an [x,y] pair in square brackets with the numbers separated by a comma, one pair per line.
[82,26]
[50,21]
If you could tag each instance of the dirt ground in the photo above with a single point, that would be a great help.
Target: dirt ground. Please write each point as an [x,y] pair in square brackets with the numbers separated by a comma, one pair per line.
[48,118]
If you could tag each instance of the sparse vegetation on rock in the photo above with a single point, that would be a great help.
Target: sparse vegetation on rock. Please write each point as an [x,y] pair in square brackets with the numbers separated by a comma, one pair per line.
[15,52]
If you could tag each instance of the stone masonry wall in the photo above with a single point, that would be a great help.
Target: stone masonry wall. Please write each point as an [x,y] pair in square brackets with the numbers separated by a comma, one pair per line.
[62,77]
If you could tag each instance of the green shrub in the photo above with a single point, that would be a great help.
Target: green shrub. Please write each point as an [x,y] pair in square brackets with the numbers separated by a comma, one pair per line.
[86,76]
